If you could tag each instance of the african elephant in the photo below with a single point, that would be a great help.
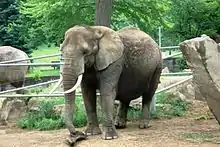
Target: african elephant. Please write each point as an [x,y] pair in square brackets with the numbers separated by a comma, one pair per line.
[14,75]
[123,65]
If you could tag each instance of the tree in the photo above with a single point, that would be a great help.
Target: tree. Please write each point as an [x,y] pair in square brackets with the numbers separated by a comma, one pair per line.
[10,25]
[57,16]
[194,18]
[103,12]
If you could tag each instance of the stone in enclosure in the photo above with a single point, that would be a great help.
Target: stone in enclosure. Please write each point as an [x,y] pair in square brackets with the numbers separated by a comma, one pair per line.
[12,110]
[13,75]
[166,70]
[202,55]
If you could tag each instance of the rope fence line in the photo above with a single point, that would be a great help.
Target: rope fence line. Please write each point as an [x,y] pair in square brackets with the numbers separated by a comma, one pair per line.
[3,64]
[30,86]
[6,63]
[32,64]
[79,94]
[58,54]
[169,47]
[39,57]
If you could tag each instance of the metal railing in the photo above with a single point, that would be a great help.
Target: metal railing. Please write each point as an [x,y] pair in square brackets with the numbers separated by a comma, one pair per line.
[79,94]
[30,86]
[30,64]
[6,63]
[39,57]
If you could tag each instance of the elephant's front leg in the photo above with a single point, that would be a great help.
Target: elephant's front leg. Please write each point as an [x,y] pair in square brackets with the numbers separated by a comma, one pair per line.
[108,86]
[89,96]
[107,102]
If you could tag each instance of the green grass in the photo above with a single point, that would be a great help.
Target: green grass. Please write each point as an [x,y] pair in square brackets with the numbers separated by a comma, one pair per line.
[37,73]
[200,137]
[45,50]
[47,119]
[44,70]
[170,106]
[167,106]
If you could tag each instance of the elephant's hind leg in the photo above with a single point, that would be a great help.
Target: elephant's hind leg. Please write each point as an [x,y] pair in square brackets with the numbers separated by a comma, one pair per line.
[18,85]
[145,114]
[147,98]
[89,96]
[121,116]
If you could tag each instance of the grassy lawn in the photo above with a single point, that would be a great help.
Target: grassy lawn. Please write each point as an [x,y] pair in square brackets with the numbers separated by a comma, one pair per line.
[45,50]
[44,70]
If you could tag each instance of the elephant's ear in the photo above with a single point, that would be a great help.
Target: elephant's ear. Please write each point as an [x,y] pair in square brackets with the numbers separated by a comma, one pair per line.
[110,48]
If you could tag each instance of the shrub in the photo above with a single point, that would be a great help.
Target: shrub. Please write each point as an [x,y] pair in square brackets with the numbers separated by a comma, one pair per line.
[181,63]
[43,119]
[178,107]
[47,119]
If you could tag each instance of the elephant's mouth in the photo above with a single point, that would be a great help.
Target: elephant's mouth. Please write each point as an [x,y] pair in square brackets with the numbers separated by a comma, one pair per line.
[79,80]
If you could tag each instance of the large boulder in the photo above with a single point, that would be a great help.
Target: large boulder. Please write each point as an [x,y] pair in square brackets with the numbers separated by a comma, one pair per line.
[202,56]
[14,75]
[12,110]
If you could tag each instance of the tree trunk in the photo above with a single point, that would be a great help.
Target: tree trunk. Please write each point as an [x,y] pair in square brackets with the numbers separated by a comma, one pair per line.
[103,12]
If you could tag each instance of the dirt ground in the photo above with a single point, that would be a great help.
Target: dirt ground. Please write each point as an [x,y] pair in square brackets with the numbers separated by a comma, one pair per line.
[197,129]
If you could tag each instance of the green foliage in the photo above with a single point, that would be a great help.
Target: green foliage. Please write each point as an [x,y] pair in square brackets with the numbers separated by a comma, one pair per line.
[170,106]
[57,16]
[37,72]
[26,24]
[46,118]
[181,63]
[200,137]
[11,24]
[144,14]
[167,106]
[193,18]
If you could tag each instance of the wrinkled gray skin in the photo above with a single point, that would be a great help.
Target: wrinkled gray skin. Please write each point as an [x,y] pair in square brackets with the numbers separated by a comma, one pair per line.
[122,65]
[14,75]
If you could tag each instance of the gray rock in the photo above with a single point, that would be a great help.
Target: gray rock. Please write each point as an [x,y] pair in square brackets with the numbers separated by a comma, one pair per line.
[59,109]
[202,56]
[12,110]
[14,75]
[165,70]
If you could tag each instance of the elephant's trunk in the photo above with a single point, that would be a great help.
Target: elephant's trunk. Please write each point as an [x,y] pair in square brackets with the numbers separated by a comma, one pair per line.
[70,75]
[68,81]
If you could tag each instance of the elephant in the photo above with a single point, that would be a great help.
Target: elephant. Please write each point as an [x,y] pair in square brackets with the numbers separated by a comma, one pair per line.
[123,65]
[14,75]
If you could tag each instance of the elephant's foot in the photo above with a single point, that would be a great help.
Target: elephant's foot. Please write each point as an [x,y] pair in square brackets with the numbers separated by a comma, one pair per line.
[75,137]
[144,124]
[92,130]
[120,123]
[109,133]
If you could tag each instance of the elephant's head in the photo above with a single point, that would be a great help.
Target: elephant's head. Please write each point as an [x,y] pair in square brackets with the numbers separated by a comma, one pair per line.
[98,45]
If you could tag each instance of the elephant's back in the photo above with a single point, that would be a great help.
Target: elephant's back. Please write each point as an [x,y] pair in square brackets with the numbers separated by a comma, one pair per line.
[141,52]
[11,53]
[142,57]
[13,73]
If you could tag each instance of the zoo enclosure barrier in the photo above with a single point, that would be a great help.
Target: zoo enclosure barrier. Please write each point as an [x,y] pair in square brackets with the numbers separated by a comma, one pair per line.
[13,63]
